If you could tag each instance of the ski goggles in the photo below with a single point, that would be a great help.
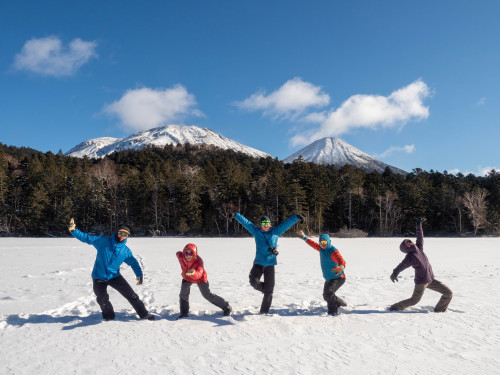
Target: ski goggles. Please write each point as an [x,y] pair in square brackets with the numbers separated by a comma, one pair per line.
[265,223]
[188,253]
[123,234]
[323,242]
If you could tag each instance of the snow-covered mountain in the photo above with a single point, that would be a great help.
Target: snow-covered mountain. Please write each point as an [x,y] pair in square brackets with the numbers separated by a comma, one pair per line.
[165,135]
[337,152]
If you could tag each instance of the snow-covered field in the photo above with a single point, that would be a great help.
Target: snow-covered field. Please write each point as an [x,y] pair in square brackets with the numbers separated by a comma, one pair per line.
[51,324]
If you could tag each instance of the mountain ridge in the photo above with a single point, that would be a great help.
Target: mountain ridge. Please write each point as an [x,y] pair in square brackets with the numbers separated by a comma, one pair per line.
[335,151]
[161,136]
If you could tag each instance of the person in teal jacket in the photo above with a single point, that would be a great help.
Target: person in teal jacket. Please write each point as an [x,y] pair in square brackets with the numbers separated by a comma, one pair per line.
[266,241]
[332,266]
[111,253]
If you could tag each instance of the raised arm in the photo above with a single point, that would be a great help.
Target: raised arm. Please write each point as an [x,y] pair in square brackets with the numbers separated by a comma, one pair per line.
[420,235]
[247,224]
[308,241]
[284,226]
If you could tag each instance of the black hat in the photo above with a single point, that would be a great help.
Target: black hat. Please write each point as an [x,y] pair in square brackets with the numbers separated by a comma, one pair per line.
[264,218]
[124,228]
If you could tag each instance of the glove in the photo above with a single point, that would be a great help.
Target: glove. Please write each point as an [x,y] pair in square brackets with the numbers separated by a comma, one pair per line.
[231,218]
[394,278]
[421,220]
[302,219]
[72,225]
[337,270]
[302,235]
[139,280]
[190,273]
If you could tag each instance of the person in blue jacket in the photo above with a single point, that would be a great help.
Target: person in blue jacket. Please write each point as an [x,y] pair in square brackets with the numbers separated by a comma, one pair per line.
[111,253]
[332,266]
[266,241]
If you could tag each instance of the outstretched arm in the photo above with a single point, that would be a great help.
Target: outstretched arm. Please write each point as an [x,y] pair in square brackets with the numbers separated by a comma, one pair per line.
[247,224]
[308,241]
[284,226]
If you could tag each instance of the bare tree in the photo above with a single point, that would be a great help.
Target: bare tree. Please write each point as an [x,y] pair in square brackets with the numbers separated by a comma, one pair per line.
[390,212]
[475,202]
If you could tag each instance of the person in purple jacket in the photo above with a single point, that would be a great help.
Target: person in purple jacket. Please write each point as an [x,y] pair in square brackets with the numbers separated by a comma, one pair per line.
[424,277]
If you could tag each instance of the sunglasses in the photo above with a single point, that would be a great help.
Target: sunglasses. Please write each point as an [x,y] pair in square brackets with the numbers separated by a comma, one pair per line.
[323,242]
[265,223]
[123,234]
[188,254]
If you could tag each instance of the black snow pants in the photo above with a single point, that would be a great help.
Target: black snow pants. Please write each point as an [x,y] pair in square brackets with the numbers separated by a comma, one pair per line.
[120,284]
[333,302]
[266,286]
[205,292]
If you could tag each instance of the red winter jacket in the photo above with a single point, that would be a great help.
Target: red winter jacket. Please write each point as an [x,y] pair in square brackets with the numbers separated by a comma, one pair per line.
[196,264]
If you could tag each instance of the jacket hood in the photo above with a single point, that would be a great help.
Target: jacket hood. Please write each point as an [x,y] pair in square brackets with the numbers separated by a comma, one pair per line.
[407,250]
[326,237]
[193,248]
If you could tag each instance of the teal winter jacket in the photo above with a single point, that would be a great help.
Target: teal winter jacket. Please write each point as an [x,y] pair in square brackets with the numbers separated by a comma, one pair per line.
[110,255]
[265,240]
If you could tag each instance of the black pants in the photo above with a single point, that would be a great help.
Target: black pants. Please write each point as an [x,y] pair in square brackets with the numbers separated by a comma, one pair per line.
[333,302]
[205,292]
[266,286]
[120,284]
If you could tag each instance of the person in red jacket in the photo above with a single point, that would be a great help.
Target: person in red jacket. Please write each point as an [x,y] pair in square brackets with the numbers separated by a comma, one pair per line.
[194,273]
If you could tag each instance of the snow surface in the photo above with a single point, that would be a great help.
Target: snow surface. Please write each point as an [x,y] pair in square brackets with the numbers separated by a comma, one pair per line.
[51,324]
[337,152]
[165,135]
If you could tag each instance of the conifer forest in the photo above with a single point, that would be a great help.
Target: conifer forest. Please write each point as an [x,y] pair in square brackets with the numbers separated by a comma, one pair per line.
[194,190]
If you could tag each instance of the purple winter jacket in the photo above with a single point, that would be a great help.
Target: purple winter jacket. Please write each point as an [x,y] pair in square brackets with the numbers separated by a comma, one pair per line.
[416,258]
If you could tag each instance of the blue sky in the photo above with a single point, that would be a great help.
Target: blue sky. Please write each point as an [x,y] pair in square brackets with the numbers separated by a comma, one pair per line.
[413,83]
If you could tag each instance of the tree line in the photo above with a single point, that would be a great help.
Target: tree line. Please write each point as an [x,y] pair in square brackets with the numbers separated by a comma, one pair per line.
[193,190]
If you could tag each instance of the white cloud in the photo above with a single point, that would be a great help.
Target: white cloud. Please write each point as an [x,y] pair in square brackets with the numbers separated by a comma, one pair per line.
[481,102]
[146,108]
[369,111]
[47,56]
[290,100]
[407,149]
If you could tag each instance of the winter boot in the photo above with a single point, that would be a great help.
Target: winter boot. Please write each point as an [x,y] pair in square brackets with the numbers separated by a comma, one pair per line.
[149,317]
[266,303]
[182,316]
[227,311]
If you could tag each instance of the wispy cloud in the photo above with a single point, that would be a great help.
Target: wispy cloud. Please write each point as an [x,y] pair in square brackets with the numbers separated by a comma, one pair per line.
[290,100]
[481,102]
[406,149]
[369,111]
[48,56]
[145,108]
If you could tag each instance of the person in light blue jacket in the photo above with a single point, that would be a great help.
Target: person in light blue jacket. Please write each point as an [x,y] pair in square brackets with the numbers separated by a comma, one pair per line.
[266,241]
[111,253]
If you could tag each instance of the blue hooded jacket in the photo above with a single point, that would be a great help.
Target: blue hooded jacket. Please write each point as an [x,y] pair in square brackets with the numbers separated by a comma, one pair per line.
[265,240]
[325,257]
[110,255]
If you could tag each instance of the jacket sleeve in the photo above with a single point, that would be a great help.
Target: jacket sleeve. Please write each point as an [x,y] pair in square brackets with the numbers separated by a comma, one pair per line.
[420,237]
[337,258]
[132,262]
[403,265]
[284,226]
[84,237]
[247,224]
[313,244]
[198,272]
